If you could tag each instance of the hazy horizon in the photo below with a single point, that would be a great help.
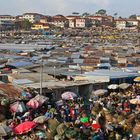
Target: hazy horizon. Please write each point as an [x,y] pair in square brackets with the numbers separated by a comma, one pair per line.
[124,8]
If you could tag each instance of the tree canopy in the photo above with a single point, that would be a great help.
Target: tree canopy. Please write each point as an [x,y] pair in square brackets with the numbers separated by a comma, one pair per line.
[133,16]
[75,13]
[101,12]
[85,14]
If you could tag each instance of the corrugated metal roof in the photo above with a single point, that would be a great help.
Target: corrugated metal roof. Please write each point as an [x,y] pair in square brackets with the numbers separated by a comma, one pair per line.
[22,81]
[75,56]
[78,61]
[112,73]
[20,64]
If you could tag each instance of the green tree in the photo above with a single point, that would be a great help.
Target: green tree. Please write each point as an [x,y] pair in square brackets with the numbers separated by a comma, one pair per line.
[26,24]
[75,13]
[101,12]
[133,16]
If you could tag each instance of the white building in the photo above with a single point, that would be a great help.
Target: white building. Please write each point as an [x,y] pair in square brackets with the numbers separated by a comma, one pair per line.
[138,17]
[32,17]
[80,23]
[120,23]
[133,22]
[59,21]
[71,23]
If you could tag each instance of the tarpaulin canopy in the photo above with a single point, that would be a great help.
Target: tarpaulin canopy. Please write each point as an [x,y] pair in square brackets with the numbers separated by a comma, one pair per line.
[24,127]
[33,104]
[98,92]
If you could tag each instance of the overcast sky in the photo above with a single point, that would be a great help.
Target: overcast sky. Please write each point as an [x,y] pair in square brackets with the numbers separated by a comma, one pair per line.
[124,8]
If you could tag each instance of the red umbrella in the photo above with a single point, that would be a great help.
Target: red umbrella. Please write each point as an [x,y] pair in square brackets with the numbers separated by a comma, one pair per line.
[24,127]
[33,104]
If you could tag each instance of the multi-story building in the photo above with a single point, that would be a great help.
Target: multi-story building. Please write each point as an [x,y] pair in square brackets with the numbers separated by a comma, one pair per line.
[78,22]
[43,20]
[32,17]
[101,19]
[120,23]
[138,17]
[7,18]
[6,25]
[59,21]
[40,26]
[6,22]
[133,22]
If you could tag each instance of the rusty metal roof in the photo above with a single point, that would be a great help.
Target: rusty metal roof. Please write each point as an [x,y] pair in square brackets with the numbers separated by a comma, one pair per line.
[9,91]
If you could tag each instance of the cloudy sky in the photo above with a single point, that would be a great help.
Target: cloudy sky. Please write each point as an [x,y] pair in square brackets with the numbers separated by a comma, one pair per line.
[51,7]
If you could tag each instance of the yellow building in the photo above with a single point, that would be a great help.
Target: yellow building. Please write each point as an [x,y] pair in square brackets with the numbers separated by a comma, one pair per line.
[40,26]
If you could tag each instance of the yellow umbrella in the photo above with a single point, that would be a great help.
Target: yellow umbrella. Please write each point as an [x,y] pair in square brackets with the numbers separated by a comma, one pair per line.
[137,79]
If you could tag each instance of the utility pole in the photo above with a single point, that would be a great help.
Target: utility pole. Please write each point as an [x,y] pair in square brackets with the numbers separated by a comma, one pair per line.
[54,71]
[41,75]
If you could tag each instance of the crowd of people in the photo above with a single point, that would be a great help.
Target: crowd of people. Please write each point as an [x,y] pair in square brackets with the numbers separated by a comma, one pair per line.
[108,117]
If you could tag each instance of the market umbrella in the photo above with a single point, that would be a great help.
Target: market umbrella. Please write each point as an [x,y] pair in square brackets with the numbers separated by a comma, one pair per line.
[41,99]
[68,95]
[137,79]
[113,86]
[135,101]
[40,119]
[99,92]
[4,130]
[124,85]
[24,127]
[17,107]
[33,104]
